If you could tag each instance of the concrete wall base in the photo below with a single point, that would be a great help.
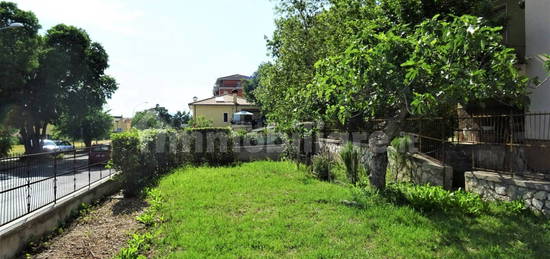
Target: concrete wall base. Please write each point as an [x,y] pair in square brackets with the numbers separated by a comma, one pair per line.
[16,235]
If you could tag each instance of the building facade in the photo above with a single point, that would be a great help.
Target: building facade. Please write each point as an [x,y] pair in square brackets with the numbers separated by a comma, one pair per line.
[221,109]
[121,124]
[229,85]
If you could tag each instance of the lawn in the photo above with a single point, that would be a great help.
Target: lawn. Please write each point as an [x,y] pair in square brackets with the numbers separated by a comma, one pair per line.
[273,209]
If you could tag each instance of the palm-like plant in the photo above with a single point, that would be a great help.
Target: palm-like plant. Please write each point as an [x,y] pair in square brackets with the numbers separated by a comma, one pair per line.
[351,157]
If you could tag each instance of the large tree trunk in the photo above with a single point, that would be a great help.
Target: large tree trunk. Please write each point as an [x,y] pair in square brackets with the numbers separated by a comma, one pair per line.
[377,158]
[31,136]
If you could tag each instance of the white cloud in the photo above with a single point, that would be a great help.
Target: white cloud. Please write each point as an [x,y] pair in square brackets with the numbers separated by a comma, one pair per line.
[108,15]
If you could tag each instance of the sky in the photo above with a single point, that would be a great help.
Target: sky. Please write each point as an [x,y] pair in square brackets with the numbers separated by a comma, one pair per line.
[166,52]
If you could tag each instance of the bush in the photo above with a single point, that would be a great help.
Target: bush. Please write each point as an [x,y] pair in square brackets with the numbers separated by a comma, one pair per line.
[200,122]
[351,157]
[142,156]
[210,145]
[125,159]
[6,141]
[435,198]
[322,167]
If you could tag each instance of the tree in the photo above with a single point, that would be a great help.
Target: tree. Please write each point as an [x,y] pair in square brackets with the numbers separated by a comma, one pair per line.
[200,122]
[67,75]
[384,59]
[250,85]
[180,119]
[18,52]
[159,118]
[147,119]
[95,125]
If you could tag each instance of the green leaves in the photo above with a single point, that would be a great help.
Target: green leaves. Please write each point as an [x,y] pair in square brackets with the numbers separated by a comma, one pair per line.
[377,59]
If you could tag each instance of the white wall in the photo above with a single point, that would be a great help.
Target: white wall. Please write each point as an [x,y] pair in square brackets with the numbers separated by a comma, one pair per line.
[537,39]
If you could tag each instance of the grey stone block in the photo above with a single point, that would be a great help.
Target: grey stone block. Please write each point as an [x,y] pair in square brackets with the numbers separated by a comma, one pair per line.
[528,195]
[540,195]
[538,204]
[501,190]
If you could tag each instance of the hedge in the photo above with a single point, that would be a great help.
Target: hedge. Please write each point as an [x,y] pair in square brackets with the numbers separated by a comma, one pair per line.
[142,156]
[213,146]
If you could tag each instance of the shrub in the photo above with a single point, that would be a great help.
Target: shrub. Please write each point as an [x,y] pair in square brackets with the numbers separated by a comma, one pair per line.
[322,167]
[210,145]
[351,157]
[402,144]
[142,156]
[435,198]
[125,159]
[200,122]
[6,141]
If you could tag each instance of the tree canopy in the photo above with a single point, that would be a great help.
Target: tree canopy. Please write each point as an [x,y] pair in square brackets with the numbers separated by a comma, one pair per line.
[159,118]
[95,125]
[61,73]
[328,54]
[346,62]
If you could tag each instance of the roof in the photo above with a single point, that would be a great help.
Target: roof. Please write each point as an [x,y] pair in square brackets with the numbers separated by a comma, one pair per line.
[222,100]
[232,77]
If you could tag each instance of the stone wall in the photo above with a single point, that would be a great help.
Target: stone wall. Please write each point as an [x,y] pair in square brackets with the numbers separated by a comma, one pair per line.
[414,168]
[418,169]
[258,152]
[333,147]
[494,186]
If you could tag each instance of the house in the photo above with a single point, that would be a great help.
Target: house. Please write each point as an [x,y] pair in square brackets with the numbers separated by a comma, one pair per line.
[121,124]
[229,84]
[227,110]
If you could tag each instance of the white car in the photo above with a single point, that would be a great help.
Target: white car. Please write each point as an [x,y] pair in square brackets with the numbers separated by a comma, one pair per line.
[49,146]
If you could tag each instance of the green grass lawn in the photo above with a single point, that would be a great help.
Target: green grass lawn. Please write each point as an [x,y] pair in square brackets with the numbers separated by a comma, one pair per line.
[272,209]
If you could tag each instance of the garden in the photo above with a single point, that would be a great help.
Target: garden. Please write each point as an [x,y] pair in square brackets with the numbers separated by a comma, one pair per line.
[217,207]
[277,209]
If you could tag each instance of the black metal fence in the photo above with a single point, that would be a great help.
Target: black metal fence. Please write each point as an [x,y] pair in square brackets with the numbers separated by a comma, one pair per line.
[31,182]
[517,144]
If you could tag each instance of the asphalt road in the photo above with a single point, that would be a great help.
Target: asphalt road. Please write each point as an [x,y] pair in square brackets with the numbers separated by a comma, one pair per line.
[30,187]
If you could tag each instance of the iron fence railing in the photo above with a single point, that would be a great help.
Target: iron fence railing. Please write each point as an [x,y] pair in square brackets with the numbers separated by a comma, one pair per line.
[31,182]
[517,144]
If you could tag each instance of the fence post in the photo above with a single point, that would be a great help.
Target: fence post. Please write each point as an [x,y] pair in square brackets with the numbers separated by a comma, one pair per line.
[420,138]
[100,172]
[89,170]
[511,155]
[74,169]
[28,185]
[55,177]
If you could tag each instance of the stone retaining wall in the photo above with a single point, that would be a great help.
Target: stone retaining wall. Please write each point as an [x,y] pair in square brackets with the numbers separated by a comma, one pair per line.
[414,168]
[494,186]
[418,169]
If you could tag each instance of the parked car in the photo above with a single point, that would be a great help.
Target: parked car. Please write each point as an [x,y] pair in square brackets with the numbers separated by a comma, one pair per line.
[99,154]
[64,146]
[49,145]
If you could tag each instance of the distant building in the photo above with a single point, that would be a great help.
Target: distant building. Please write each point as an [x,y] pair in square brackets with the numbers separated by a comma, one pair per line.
[226,110]
[229,85]
[121,124]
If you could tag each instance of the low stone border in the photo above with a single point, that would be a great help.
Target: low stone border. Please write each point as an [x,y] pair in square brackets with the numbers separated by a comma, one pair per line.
[494,186]
[418,169]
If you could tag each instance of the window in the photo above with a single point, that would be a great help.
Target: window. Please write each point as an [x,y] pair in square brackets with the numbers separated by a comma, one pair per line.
[225,117]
